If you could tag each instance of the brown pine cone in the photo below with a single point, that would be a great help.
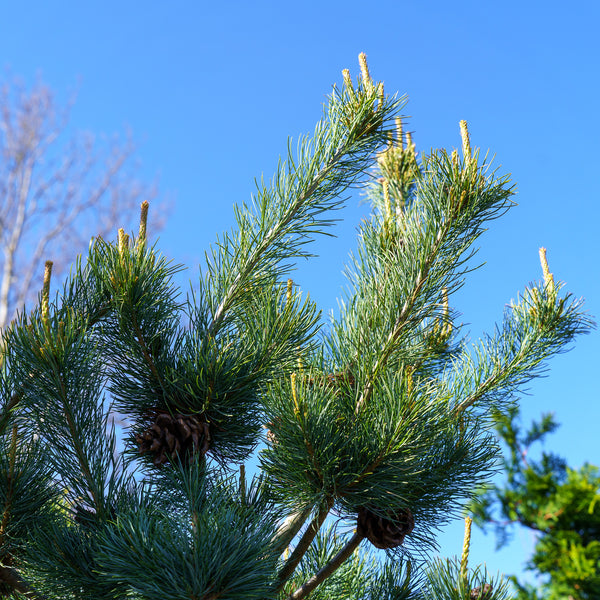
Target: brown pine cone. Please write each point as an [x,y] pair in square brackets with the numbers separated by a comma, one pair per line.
[384,532]
[271,437]
[170,435]
[341,377]
[479,594]
[336,379]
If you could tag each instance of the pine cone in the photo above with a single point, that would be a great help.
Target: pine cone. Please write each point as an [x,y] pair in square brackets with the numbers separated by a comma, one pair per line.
[170,435]
[384,532]
[479,594]
[341,378]
[271,437]
[336,379]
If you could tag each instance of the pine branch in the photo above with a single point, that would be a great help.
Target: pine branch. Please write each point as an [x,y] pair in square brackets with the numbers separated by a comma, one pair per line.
[328,569]
[79,447]
[10,491]
[303,544]
[302,189]
[398,326]
[538,327]
[428,242]
[11,578]
[493,382]
[290,528]
[273,235]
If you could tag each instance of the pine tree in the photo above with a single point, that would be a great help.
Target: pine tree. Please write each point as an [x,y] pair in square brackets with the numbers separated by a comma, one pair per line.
[371,430]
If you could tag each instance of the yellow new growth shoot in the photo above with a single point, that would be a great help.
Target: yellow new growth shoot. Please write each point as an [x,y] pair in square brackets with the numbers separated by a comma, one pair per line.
[123,241]
[143,222]
[46,293]
[386,199]
[364,69]
[466,142]
[465,552]
[347,79]
[380,95]
[294,396]
[399,133]
[548,277]
[446,322]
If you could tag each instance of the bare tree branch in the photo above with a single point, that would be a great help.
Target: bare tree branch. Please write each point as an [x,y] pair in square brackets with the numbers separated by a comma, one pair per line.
[56,191]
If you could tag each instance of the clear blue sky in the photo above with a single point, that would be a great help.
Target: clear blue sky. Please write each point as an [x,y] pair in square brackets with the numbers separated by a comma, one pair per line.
[212,90]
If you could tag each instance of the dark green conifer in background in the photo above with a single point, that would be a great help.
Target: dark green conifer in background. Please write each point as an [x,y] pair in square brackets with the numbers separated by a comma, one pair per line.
[560,505]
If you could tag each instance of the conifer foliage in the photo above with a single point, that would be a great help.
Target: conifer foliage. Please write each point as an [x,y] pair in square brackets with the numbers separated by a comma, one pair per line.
[560,504]
[372,430]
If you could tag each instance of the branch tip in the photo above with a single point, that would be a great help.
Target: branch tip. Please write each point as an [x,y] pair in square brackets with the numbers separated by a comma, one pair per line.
[347,79]
[364,69]
[386,198]
[123,240]
[466,142]
[466,545]
[548,277]
[399,132]
[46,290]
[143,220]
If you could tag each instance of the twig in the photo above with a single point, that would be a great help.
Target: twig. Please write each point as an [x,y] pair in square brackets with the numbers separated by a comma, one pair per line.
[11,477]
[328,569]
[290,528]
[401,320]
[303,544]
[270,238]
[11,577]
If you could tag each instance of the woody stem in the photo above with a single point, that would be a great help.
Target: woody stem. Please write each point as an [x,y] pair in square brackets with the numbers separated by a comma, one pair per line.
[328,569]
[303,544]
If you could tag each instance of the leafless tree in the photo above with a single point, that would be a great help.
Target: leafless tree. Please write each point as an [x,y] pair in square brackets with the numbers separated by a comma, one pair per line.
[57,190]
